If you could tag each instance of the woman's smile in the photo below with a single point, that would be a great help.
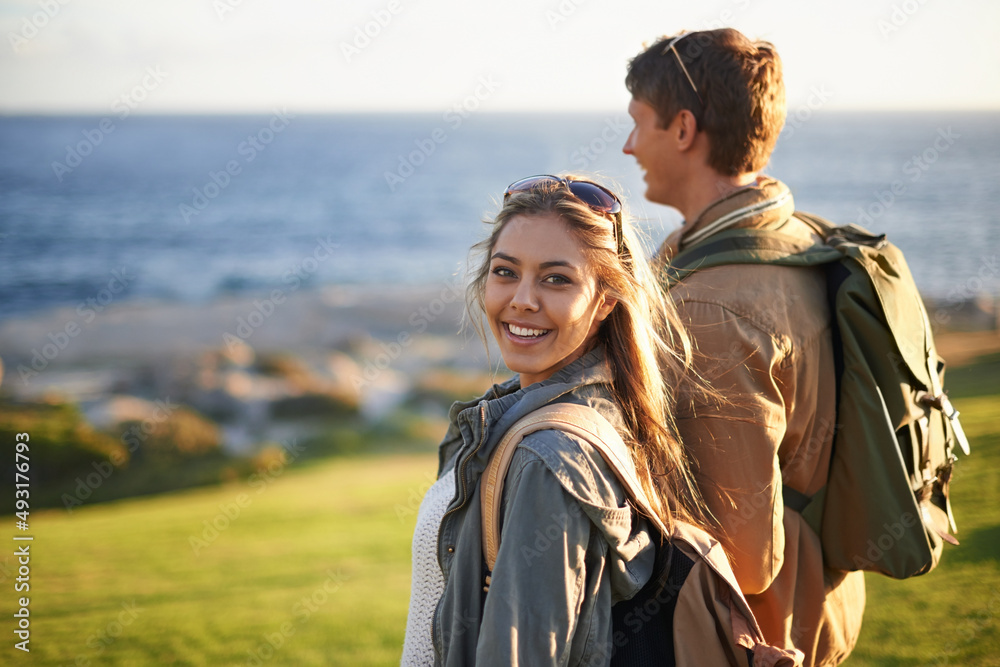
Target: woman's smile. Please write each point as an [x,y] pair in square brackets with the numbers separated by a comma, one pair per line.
[525,332]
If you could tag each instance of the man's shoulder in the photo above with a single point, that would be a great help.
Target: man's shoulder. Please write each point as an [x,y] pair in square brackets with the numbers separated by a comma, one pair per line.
[781,301]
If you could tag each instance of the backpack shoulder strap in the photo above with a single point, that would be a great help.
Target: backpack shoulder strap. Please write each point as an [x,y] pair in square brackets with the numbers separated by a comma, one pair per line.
[580,420]
[753,246]
[746,246]
[820,225]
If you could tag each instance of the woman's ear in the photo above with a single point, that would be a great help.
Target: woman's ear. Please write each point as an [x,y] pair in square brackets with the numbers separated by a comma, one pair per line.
[606,307]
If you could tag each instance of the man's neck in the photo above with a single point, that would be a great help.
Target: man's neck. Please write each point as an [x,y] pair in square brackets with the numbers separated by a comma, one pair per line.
[713,188]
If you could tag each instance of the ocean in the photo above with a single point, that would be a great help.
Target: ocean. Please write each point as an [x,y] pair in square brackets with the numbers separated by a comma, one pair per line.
[191,208]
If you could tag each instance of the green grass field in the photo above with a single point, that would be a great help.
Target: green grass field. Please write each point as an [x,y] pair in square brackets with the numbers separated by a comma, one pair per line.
[310,566]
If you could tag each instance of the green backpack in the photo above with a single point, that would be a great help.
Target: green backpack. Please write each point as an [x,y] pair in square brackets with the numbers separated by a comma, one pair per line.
[885,506]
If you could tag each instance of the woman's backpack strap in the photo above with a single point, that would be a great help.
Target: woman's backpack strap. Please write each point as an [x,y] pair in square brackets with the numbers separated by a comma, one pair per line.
[580,420]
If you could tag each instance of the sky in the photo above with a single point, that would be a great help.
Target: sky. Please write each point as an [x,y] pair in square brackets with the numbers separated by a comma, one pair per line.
[316,56]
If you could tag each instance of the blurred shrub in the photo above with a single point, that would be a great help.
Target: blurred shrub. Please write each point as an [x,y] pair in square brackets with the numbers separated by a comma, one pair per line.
[337,441]
[438,388]
[61,442]
[72,463]
[269,458]
[322,406]
[61,446]
[179,435]
[312,395]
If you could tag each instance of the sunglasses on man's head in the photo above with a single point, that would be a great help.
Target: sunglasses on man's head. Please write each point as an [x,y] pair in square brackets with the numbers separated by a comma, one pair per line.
[596,196]
[672,46]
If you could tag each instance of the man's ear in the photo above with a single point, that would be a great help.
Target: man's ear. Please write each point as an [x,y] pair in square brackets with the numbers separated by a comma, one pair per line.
[685,128]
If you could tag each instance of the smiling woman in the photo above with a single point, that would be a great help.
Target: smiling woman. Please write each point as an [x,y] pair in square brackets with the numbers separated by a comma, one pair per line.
[543,305]
[563,569]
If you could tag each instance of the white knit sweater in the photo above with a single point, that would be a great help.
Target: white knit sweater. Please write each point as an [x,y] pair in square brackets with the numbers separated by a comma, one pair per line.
[428,583]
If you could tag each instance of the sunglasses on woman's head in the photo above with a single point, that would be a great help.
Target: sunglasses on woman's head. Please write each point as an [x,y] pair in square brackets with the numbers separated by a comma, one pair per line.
[596,196]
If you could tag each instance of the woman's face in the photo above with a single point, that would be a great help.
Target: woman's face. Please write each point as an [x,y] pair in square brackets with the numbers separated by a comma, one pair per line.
[542,298]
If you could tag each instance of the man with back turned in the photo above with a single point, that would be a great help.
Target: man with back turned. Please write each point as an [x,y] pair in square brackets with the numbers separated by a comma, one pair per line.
[708,107]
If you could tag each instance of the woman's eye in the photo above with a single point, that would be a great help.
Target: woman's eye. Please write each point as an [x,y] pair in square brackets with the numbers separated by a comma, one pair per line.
[557,279]
[503,272]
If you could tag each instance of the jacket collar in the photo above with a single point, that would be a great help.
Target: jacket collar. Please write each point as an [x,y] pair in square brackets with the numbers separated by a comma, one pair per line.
[764,204]
[488,417]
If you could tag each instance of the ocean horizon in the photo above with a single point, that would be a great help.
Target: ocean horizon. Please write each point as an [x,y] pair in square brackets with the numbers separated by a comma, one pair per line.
[191,208]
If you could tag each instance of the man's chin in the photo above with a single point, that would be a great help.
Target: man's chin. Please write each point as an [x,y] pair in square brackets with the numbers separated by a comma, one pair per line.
[654,195]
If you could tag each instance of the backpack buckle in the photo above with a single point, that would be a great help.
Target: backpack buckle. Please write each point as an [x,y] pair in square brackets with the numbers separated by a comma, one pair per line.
[942,403]
[952,414]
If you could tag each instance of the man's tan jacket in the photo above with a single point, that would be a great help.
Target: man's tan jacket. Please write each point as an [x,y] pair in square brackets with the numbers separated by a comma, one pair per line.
[762,336]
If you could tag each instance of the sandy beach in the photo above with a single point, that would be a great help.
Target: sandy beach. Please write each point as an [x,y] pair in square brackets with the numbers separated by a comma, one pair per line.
[273,321]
